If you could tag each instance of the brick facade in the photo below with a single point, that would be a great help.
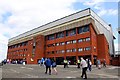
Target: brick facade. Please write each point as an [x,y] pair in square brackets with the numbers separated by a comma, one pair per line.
[69,44]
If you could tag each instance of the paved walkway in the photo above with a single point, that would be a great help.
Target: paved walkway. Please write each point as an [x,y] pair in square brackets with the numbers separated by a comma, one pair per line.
[36,71]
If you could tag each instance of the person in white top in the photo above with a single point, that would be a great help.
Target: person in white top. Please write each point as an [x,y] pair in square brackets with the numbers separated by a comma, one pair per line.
[84,68]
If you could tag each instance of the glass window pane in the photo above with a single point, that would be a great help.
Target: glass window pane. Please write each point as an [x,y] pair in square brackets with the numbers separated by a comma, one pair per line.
[72,32]
[80,30]
[80,40]
[88,39]
[57,44]
[80,49]
[87,48]
[51,37]
[68,42]
[74,41]
[86,28]
[62,43]
[67,33]
[60,35]
[73,50]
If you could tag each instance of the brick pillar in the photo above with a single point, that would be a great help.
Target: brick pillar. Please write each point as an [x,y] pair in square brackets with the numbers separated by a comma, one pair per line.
[92,59]
[64,45]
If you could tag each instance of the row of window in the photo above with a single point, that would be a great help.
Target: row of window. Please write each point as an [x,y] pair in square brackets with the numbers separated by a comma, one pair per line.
[18,51]
[18,45]
[69,42]
[22,55]
[70,32]
[70,50]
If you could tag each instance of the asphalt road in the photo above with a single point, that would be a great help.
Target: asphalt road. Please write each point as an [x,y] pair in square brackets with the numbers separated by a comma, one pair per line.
[36,71]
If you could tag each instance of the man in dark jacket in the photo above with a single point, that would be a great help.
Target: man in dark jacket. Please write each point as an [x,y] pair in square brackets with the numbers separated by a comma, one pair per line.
[48,66]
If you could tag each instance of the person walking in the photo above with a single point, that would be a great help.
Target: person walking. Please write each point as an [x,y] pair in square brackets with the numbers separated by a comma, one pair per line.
[89,64]
[39,62]
[99,64]
[23,62]
[68,63]
[78,63]
[54,65]
[104,63]
[48,66]
[65,63]
[84,68]
[42,61]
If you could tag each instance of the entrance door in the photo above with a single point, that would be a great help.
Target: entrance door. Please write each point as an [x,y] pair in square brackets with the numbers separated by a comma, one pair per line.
[59,60]
[72,59]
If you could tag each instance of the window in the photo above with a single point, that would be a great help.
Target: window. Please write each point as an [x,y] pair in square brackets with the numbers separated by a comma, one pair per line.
[24,43]
[57,52]
[88,39]
[74,41]
[87,48]
[60,35]
[68,42]
[86,28]
[18,45]
[73,50]
[53,44]
[80,40]
[68,50]
[67,33]
[15,46]
[62,43]
[80,49]
[48,52]
[83,29]
[50,45]
[24,55]
[80,30]
[62,51]
[51,37]
[72,32]
[52,52]
[84,39]
[57,44]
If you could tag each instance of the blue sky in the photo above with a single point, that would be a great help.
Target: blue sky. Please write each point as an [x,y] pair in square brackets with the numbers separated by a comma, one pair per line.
[17,17]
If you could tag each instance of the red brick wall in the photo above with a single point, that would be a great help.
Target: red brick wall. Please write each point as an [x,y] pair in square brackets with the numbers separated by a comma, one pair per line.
[103,51]
[69,46]
[39,50]
[29,54]
[93,36]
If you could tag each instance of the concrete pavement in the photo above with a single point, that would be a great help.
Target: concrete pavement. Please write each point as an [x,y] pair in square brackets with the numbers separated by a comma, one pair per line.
[36,71]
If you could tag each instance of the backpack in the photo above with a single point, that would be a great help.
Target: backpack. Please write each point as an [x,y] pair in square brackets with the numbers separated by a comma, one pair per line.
[54,64]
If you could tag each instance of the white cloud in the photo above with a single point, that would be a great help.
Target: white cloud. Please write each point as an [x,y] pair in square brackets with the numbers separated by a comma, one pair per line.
[29,14]
[93,2]
[99,5]
[108,12]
